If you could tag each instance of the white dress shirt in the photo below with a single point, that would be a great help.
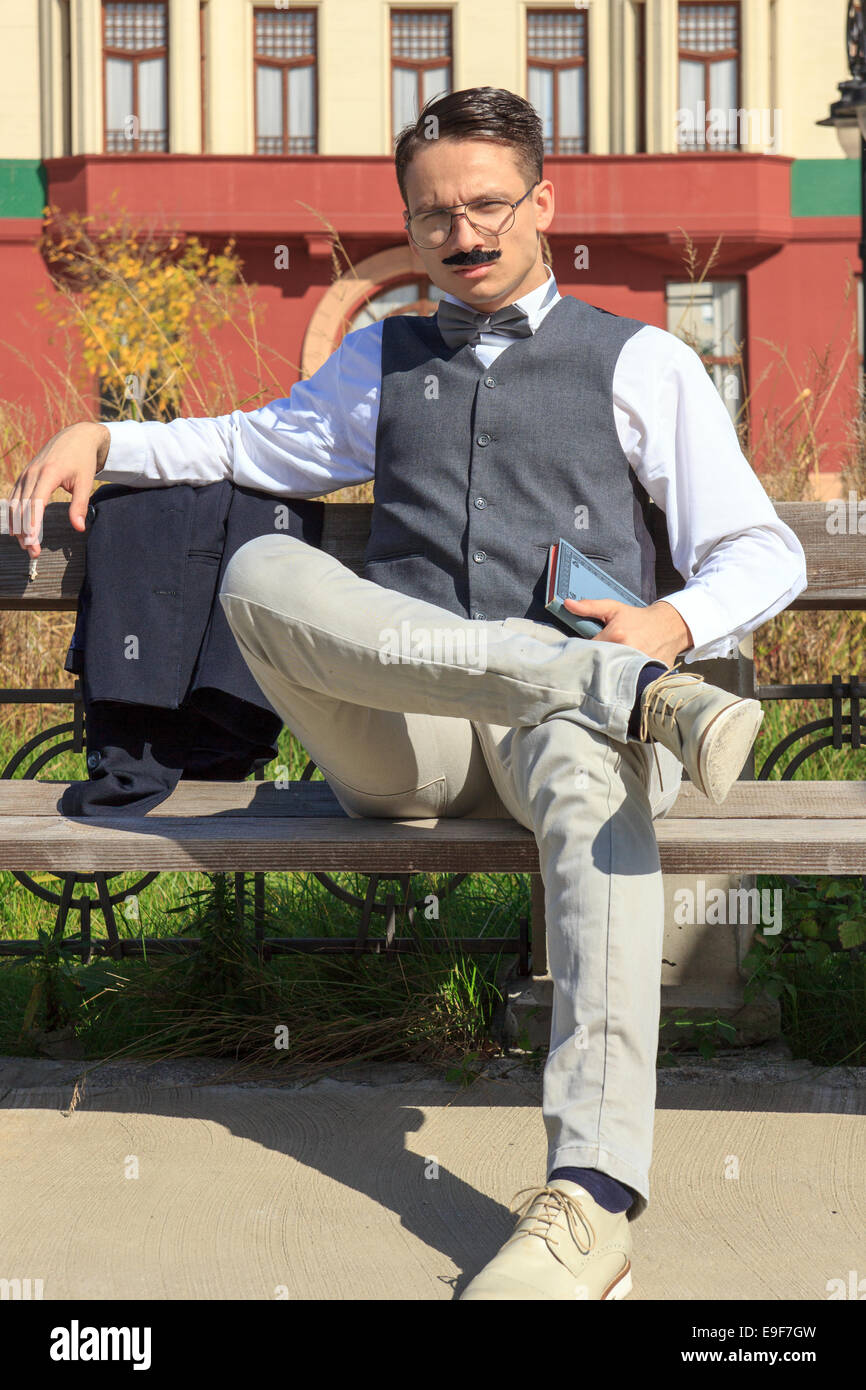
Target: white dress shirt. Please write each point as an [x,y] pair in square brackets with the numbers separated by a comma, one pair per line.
[741,563]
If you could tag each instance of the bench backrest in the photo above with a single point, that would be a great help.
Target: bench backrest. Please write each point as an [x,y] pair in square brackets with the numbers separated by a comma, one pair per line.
[836,564]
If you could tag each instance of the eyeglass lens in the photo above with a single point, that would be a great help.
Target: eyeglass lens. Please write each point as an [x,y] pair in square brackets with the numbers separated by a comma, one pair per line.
[434,228]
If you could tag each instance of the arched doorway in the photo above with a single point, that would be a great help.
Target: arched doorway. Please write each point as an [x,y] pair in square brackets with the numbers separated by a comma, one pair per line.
[384,284]
[411,297]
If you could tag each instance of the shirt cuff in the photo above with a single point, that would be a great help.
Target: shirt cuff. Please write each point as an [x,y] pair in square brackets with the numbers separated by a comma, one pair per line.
[127,452]
[707,621]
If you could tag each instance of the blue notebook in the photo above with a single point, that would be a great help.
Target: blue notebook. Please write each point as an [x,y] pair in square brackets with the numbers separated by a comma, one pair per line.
[572,575]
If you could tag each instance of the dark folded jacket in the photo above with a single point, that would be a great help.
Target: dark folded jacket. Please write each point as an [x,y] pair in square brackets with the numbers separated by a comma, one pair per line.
[166,691]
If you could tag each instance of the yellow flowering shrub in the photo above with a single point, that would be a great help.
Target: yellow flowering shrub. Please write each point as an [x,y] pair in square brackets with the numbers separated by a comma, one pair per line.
[139,300]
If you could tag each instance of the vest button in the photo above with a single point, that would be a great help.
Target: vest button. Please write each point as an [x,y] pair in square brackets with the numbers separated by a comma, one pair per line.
[480,502]
[489,381]
[94,759]
[483,439]
[479,557]
[481,617]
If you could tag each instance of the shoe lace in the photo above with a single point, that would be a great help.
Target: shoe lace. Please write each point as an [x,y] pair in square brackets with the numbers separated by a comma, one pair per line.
[553,1200]
[657,694]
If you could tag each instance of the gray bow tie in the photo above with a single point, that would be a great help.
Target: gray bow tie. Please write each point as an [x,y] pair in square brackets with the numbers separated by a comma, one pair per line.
[459,325]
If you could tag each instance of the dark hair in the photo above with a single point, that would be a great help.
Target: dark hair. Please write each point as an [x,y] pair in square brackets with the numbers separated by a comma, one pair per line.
[476,113]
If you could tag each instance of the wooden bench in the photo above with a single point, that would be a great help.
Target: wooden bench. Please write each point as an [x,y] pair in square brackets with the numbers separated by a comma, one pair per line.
[253,827]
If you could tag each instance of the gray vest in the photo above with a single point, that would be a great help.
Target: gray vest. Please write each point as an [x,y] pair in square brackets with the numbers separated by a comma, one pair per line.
[479,470]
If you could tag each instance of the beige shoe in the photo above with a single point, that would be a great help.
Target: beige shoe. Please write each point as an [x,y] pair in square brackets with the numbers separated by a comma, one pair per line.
[565,1246]
[710,730]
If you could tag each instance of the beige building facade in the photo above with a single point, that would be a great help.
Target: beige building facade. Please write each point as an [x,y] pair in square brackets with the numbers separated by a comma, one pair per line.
[52,72]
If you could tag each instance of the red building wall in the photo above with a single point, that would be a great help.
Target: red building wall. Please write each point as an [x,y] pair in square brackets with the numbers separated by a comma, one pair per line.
[628,211]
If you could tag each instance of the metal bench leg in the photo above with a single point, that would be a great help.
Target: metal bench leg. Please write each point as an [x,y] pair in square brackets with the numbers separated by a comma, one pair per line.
[366,914]
[259,912]
[240,898]
[69,882]
[116,947]
[523,949]
[407,907]
[86,941]
[539,931]
[390,919]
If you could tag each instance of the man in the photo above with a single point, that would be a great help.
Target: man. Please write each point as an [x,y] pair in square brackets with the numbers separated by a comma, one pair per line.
[510,418]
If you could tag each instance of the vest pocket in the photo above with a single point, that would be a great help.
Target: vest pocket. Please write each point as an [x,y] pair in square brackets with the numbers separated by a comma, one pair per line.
[590,555]
[396,555]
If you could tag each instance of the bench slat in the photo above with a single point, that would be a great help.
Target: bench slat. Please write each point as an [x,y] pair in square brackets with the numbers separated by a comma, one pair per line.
[246,844]
[767,800]
[22,797]
[260,844]
[783,827]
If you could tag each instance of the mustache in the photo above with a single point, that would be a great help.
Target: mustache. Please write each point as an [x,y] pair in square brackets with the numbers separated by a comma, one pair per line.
[473,258]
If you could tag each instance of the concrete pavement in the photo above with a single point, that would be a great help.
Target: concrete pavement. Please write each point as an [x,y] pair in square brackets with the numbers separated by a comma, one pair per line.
[191,1180]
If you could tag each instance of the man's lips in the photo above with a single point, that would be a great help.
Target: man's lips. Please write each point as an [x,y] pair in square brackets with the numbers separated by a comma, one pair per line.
[471,271]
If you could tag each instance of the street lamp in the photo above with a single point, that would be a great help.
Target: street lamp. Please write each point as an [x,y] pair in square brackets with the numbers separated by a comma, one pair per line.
[848,116]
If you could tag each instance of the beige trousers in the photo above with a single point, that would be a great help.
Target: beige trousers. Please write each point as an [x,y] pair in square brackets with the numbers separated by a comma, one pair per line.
[410,711]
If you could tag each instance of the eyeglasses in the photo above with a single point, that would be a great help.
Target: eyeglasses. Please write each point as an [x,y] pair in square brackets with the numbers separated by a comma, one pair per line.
[429,229]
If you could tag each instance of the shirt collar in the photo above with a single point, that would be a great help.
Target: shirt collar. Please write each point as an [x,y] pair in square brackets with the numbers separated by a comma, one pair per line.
[532,303]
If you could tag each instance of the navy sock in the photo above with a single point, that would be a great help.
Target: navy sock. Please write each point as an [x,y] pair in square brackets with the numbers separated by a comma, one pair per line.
[610,1194]
[650,672]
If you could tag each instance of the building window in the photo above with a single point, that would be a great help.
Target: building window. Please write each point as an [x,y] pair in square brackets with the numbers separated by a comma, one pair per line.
[420,62]
[709,63]
[285,63]
[557,78]
[709,317]
[416,297]
[135,47]
[202,46]
[63,133]
[640,78]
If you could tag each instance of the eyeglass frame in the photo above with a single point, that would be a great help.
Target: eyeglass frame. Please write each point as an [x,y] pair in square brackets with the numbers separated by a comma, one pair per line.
[453,211]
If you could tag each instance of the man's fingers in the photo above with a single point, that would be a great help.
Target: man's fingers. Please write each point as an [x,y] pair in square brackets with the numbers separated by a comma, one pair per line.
[23,520]
[29,520]
[33,549]
[28,499]
[25,487]
[603,608]
[78,506]
[70,465]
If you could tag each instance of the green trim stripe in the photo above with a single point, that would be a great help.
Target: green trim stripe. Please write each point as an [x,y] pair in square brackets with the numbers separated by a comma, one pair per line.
[22,188]
[825,188]
[819,188]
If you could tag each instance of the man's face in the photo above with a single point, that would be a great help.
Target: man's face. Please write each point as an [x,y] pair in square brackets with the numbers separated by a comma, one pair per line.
[502,267]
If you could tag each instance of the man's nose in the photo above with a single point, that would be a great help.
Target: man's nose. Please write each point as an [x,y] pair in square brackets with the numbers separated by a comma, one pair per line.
[463,235]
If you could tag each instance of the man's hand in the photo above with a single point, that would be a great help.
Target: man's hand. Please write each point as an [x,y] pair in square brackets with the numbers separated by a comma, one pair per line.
[657,630]
[71,460]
